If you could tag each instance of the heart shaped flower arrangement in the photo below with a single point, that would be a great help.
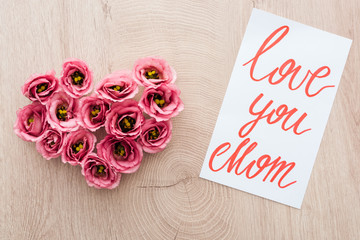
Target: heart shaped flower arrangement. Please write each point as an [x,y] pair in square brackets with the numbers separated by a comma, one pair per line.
[61,119]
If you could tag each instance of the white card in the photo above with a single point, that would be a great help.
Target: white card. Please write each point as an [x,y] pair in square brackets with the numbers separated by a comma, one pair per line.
[275,110]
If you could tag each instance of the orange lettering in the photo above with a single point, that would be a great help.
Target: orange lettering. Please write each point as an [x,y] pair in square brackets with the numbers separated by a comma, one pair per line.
[263,163]
[279,113]
[288,68]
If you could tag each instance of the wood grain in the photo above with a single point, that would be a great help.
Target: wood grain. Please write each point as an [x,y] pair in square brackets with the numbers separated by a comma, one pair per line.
[166,199]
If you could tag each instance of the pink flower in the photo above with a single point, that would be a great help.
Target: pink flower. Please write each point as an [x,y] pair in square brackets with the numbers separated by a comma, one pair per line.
[124,154]
[161,102]
[76,78]
[152,71]
[31,122]
[51,144]
[78,145]
[98,173]
[92,112]
[61,112]
[40,87]
[117,86]
[124,119]
[155,135]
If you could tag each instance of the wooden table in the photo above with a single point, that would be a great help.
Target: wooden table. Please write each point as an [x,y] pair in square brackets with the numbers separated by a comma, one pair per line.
[166,199]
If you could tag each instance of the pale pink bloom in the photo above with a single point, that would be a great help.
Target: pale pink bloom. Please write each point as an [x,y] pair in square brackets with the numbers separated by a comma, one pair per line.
[78,145]
[99,173]
[51,144]
[117,86]
[152,71]
[124,119]
[40,87]
[31,122]
[61,112]
[155,135]
[161,102]
[76,78]
[123,154]
[92,112]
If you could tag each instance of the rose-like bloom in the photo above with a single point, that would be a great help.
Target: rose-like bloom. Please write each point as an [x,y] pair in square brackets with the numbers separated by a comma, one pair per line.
[51,144]
[117,86]
[99,173]
[78,145]
[161,102]
[152,71]
[40,87]
[124,119]
[76,78]
[155,135]
[31,122]
[92,112]
[61,112]
[124,154]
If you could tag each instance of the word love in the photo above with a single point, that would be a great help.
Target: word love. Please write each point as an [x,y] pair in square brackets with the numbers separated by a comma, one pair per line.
[255,167]
[272,117]
[288,68]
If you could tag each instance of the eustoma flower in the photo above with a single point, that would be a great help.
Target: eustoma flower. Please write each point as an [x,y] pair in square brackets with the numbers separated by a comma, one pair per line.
[92,112]
[30,123]
[161,102]
[124,120]
[61,118]
[98,173]
[76,79]
[152,71]
[124,154]
[117,86]
[40,87]
[51,143]
[155,135]
[78,146]
[61,112]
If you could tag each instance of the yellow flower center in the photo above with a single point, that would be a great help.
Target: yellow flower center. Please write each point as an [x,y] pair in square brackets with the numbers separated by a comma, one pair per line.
[116,88]
[61,113]
[41,87]
[100,169]
[95,111]
[119,149]
[77,147]
[77,78]
[153,134]
[30,120]
[159,100]
[151,74]
[127,123]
